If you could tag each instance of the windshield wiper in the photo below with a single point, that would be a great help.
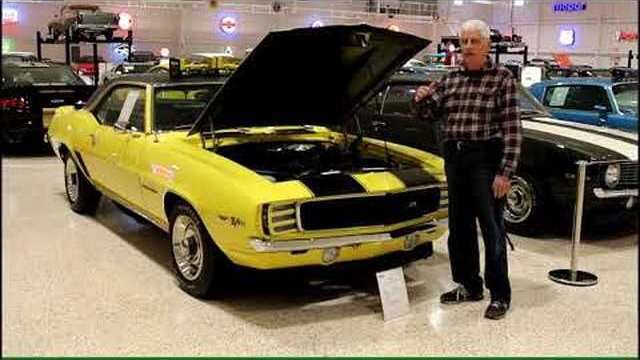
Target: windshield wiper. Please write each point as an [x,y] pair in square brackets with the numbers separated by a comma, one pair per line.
[294,129]
[233,131]
[183,127]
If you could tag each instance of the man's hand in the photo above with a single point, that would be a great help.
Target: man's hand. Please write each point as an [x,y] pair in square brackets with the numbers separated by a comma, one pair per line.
[500,186]
[423,92]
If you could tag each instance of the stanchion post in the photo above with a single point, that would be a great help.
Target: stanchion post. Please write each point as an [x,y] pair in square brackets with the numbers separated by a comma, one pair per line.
[573,276]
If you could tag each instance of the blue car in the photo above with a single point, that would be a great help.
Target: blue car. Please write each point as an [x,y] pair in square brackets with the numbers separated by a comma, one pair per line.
[594,101]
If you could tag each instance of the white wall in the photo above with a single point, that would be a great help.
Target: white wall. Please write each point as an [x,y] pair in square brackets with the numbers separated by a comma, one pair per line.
[595,29]
[196,29]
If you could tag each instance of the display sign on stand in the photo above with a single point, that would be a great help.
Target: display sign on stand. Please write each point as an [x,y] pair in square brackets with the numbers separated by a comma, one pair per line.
[393,293]
[531,75]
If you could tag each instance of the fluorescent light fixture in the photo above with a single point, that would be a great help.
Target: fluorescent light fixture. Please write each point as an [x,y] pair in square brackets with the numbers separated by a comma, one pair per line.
[483,2]
[567,37]
[518,2]
[458,2]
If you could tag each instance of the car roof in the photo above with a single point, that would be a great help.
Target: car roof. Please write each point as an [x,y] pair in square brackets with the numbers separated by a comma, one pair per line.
[579,80]
[164,79]
[33,64]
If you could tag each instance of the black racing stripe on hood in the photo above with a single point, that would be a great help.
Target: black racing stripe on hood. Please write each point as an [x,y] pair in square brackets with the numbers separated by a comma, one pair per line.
[334,184]
[414,177]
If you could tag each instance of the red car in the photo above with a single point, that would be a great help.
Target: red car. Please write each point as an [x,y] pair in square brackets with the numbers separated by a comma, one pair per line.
[84,65]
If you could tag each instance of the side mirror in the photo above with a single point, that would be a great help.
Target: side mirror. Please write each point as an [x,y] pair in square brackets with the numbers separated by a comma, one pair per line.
[79,104]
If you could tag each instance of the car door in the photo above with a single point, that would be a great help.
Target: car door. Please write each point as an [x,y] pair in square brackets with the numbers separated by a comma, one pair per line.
[108,141]
[577,102]
[128,162]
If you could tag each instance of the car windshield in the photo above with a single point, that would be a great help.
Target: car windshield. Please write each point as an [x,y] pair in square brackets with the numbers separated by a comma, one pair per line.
[627,97]
[46,75]
[528,103]
[177,107]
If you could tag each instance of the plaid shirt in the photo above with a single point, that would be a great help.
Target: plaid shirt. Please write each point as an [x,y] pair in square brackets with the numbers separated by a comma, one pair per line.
[478,105]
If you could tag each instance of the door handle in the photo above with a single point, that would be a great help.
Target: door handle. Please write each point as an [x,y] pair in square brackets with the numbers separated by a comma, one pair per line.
[93,139]
[136,135]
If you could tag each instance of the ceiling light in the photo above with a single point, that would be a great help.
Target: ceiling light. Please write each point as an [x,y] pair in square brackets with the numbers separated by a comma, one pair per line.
[457,2]
[483,2]
[518,2]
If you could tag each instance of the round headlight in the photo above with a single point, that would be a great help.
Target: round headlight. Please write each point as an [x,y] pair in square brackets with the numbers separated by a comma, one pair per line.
[612,175]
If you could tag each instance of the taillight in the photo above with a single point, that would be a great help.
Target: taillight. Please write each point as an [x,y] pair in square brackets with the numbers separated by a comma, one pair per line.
[17,103]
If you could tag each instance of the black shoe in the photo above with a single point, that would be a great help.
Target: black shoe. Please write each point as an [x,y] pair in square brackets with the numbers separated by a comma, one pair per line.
[460,294]
[496,310]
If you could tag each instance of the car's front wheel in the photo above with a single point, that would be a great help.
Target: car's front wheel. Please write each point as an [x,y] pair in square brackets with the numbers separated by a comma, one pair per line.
[524,205]
[198,262]
[82,196]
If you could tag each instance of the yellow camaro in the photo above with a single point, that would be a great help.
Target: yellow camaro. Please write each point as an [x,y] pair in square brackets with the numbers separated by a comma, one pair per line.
[266,170]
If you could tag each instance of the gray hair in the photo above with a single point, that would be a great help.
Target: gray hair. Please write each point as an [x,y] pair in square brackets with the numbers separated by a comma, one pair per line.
[479,26]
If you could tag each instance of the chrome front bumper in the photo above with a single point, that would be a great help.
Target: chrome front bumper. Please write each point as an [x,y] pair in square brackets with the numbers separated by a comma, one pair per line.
[264,246]
[607,194]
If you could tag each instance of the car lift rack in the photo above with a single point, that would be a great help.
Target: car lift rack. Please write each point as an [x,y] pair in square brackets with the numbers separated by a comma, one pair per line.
[67,48]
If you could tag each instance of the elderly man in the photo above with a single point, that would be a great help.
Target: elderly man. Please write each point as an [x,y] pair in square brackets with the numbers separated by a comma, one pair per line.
[482,134]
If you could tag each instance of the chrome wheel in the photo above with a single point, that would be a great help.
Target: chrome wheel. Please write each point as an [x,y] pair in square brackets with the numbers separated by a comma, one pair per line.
[187,247]
[520,201]
[71,180]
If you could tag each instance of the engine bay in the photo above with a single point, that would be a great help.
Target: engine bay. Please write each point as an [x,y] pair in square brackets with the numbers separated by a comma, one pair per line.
[291,160]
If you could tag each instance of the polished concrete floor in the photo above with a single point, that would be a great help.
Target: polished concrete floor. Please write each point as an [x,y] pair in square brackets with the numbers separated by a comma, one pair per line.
[74,285]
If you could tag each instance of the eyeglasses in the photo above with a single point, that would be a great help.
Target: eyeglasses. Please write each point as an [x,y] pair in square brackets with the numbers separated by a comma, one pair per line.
[470,41]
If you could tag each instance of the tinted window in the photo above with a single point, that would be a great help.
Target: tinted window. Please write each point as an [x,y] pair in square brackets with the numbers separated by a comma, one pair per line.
[627,97]
[576,97]
[178,107]
[124,105]
[398,99]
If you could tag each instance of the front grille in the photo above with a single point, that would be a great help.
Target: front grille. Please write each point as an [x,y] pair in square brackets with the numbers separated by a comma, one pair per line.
[371,210]
[628,174]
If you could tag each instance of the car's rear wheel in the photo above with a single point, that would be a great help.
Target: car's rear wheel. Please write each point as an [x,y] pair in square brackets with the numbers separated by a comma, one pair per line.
[83,197]
[524,206]
[198,262]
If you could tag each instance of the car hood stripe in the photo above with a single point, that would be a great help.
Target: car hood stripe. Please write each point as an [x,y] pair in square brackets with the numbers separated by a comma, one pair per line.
[333,184]
[625,148]
[614,133]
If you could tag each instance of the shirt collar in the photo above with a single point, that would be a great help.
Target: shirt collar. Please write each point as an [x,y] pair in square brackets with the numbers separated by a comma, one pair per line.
[488,66]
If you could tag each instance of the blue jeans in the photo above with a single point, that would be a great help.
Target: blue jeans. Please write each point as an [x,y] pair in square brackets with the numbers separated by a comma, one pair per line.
[471,167]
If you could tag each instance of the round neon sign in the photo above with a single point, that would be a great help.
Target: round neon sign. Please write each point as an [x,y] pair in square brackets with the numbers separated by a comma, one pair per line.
[228,25]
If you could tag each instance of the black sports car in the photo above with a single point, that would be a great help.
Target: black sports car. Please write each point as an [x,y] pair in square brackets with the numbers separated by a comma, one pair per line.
[545,184]
[29,95]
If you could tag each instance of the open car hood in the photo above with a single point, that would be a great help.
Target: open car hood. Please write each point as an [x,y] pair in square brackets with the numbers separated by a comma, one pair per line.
[308,76]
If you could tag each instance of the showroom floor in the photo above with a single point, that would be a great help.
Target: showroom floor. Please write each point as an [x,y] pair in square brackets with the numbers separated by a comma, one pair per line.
[74,285]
